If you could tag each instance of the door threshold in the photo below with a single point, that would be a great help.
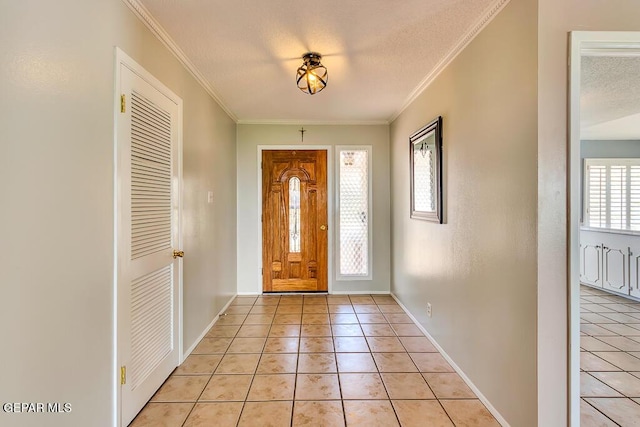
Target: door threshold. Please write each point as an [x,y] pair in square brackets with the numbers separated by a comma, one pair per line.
[274,293]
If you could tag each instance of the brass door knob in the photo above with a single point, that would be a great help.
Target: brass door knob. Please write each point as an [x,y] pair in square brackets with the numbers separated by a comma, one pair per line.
[323,227]
[177,254]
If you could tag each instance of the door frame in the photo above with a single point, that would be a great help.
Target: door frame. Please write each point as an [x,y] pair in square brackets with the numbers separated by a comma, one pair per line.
[330,204]
[122,59]
[612,41]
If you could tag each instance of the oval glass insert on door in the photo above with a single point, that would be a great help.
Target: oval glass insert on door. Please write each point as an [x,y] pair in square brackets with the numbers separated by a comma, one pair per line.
[294,215]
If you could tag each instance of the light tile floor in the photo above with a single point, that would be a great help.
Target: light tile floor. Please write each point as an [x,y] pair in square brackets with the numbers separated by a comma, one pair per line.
[609,359]
[314,360]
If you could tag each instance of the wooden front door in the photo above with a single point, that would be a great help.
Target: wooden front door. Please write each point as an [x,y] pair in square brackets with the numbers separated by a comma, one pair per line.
[294,220]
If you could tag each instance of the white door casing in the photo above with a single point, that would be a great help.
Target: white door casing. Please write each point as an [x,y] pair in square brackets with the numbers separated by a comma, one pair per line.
[606,43]
[148,211]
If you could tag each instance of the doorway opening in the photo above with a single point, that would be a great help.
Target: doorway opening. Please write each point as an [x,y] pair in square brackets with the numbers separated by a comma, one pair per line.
[604,228]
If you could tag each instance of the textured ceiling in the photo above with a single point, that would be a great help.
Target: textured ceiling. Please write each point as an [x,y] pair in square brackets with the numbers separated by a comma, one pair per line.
[377,52]
[610,97]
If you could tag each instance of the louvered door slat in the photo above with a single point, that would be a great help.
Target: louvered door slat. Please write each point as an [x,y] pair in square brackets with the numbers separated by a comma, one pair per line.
[151,125]
[146,113]
[154,320]
[150,114]
[151,322]
[149,183]
[150,178]
[149,138]
[161,211]
[149,234]
[156,175]
[156,202]
[147,127]
[149,197]
[145,166]
[147,248]
[152,225]
[148,186]
[148,244]
[151,109]
[148,217]
[150,134]
[146,153]
[142,194]
[146,282]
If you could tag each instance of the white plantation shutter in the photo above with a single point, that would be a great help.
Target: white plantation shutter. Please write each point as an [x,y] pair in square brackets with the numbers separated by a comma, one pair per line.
[618,197]
[596,196]
[634,197]
[612,193]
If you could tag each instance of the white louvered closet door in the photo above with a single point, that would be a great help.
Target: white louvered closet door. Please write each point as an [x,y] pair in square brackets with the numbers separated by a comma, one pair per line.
[148,275]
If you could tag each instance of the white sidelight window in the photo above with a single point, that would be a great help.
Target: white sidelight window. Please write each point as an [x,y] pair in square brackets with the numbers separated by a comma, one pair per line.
[612,193]
[354,213]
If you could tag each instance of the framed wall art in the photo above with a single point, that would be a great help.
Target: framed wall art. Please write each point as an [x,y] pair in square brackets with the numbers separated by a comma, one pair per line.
[425,152]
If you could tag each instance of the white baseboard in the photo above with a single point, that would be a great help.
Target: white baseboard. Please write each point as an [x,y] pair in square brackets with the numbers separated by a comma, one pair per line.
[453,364]
[250,294]
[215,319]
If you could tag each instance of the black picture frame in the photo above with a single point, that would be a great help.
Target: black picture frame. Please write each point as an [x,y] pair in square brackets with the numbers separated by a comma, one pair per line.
[427,142]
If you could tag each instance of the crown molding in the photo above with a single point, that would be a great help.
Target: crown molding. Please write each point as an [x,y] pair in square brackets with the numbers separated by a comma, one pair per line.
[156,29]
[475,29]
[313,122]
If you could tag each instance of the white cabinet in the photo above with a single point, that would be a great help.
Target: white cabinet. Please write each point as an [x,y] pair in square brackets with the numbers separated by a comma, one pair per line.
[590,261]
[634,269]
[615,270]
[610,261]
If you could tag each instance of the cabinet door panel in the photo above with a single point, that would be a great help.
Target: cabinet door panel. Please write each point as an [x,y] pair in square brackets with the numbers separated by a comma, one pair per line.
[615,269]
[634,271]
[591,264]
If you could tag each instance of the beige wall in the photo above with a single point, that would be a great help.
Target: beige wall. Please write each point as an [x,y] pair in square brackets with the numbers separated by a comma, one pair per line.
[556,19]
[478,269]
[56,221]
[249,226]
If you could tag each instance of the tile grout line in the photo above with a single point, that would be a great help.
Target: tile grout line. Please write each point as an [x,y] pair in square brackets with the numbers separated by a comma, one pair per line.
[621,310]
[335,353]
[603,414]
[244,403]
[210,377]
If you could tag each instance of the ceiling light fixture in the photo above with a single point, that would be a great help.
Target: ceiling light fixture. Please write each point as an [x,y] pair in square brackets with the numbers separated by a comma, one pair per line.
[312,76]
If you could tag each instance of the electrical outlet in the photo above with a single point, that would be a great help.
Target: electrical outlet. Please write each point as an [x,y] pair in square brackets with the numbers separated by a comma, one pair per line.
[210,197]
[429,309]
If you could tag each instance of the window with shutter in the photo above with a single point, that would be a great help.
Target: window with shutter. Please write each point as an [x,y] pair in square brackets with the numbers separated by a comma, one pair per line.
[612,193]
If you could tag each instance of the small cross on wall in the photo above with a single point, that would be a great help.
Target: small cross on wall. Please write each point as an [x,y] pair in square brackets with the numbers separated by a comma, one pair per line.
[302,131]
